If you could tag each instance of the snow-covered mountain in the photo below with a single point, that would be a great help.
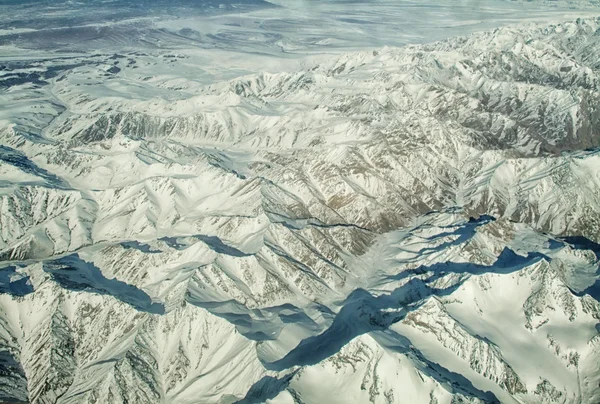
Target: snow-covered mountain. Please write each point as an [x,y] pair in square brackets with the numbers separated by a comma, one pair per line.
[415,224]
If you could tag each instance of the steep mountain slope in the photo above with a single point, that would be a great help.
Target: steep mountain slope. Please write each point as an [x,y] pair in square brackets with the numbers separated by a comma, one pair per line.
[459,308]
[404,224]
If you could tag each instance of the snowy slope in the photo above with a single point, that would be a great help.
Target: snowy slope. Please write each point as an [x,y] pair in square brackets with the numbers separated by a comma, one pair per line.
[414,224]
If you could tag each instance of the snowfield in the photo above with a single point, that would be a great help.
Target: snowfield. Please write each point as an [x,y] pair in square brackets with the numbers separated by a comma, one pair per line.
[327,220]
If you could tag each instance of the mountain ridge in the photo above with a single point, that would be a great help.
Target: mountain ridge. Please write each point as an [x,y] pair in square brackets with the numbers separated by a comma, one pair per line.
[415,223]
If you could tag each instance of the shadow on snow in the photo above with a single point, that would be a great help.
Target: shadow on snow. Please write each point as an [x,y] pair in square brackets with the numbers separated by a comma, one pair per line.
[363,313]
[73,273]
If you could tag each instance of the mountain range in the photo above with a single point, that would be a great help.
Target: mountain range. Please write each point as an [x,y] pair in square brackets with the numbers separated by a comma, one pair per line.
[400,224]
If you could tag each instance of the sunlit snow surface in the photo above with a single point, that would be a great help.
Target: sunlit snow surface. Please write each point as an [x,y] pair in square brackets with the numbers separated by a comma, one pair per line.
[227,39]
[277,202]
